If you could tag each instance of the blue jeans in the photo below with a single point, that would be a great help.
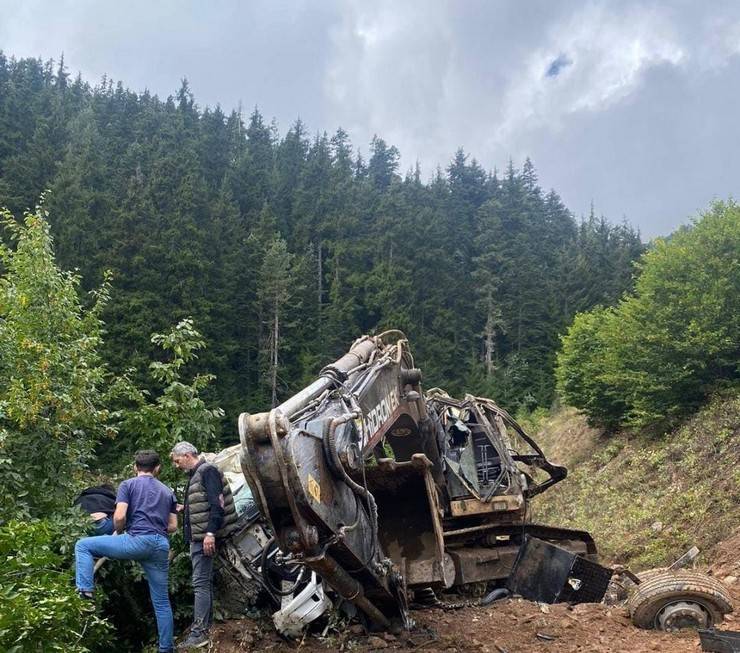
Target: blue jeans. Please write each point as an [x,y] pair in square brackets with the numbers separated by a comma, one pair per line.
[103,526]
[151,551]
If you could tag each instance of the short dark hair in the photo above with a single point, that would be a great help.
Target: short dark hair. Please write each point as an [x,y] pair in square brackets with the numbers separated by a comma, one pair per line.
[146,460]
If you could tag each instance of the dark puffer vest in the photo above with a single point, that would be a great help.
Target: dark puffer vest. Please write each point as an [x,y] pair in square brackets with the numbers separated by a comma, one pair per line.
[199,509]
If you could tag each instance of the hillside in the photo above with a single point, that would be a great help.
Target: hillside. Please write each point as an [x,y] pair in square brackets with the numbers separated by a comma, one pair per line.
[221,217]
[645,499]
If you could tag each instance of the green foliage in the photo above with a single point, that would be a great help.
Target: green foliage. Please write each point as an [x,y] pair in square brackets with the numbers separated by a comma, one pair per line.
[56,403]
[179,412]
[276,287]
[157,419]
[681,330]
[41,611]
[659,354]
[53,412]
[582,369]
[532,421]
[183,205]
[52,380]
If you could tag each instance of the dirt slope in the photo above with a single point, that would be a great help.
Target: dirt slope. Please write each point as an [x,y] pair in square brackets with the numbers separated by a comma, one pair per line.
[647,499]
[513,626]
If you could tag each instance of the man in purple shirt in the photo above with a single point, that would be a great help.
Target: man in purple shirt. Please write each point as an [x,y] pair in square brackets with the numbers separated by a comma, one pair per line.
[146,510]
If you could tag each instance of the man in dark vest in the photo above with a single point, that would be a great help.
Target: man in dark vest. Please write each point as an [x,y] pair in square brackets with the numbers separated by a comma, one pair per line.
[209,516]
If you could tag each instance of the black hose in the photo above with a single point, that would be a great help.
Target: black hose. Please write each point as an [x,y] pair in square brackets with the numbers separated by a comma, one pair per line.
[496,595]
[266,575]
[330,448]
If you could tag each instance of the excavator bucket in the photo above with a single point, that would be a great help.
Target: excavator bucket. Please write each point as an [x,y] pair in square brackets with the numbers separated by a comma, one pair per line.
[409,526]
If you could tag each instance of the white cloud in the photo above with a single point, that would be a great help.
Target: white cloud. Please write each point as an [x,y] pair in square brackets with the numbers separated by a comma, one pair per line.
[388,74]
[647,97]
[611,51]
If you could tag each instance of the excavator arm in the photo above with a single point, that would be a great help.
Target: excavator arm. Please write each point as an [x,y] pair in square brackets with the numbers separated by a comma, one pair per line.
[306,464]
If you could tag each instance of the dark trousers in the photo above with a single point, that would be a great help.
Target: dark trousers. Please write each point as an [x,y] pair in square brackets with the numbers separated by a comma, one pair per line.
[202,589]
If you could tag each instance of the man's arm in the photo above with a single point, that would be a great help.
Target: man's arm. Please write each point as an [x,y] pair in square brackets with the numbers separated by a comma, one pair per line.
[215,493]
[119,517]
[172,523]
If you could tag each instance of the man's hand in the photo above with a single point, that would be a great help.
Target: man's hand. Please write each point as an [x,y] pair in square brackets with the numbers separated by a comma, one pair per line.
[209,544]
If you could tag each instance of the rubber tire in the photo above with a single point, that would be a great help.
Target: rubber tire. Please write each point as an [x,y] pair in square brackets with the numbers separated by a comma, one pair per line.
[660,589]
[645,576]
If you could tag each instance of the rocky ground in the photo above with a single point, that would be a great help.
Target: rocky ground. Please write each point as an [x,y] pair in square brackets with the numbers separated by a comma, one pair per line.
[510,626]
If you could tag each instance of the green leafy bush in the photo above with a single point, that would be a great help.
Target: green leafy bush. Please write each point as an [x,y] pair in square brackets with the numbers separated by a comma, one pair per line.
[41,610]
[157,420]
[177,413]
[664,349]
[581,369]
[58,402]
[52,380]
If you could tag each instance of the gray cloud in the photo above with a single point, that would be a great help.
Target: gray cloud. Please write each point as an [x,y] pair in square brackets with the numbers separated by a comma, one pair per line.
[628,104]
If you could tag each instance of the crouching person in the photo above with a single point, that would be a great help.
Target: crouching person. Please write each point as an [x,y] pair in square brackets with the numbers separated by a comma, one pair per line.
[209,517]
[100,503]
[146,510]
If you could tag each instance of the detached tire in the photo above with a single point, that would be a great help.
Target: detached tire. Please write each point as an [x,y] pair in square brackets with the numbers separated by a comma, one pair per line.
[672,600]
[645,576]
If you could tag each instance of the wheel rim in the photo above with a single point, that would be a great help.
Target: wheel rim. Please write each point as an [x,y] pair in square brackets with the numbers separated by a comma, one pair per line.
[682,614]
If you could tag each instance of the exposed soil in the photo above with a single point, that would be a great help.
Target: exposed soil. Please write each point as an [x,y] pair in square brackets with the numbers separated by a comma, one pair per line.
[509,626]
[513,626]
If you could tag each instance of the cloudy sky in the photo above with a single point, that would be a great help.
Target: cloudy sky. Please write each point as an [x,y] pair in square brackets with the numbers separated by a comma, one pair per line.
[633,106]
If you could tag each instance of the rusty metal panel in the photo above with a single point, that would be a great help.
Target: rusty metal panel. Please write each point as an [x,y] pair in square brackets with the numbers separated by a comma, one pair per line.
[502,503]
[424,572]
[410,529]
[551,574]
[483,563]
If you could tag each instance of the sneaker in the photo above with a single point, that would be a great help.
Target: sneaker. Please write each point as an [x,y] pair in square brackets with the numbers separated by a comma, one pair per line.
[194,641]
[86,596]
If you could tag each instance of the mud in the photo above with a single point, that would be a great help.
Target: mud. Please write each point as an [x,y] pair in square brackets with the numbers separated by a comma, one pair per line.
[510,626]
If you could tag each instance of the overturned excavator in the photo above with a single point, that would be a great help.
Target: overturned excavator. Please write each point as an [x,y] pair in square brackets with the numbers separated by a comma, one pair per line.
[386,491]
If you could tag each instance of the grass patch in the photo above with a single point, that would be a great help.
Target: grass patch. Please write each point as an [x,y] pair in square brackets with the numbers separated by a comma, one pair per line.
[645,500]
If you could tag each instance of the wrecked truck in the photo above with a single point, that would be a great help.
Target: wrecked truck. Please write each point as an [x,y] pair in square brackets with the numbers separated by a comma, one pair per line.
[250,573]
[384,494]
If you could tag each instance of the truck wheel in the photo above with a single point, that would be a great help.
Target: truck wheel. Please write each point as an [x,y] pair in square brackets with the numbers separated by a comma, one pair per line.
[672,600]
